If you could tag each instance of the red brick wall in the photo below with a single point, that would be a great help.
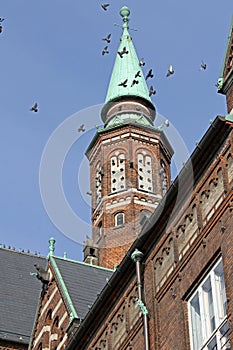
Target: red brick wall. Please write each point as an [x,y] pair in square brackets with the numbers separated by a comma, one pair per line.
[7,345]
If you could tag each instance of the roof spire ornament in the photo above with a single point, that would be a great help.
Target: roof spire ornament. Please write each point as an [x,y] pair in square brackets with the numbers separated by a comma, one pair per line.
[51,246]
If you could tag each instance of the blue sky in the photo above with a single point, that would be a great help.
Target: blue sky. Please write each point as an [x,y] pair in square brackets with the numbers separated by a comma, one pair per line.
[51,53]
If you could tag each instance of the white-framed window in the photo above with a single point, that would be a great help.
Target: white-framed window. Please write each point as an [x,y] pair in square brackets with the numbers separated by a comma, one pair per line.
[118,181]
[209,329]
[119,219]
[144,163]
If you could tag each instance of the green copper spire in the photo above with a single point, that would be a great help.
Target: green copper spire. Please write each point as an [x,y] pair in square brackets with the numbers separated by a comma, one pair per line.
[125,68]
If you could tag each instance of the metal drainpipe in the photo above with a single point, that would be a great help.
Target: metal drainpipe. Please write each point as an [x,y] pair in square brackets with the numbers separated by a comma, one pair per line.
[137,257]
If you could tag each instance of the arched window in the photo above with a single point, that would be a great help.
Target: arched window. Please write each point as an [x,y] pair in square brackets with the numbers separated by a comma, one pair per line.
[119,219]
[100,228]
[48,318]
[98,182]
[118,182]
[144,172]
[163,178]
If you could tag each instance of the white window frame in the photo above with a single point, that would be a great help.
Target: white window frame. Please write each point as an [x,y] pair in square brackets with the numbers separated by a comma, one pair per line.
[116,219]
[203,335]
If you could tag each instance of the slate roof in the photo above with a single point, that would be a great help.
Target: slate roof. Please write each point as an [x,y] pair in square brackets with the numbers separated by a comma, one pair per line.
[83,282]
[19,294]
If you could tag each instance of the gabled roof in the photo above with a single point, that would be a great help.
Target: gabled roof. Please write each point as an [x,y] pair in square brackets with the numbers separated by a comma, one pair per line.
[19,294]
[80,283]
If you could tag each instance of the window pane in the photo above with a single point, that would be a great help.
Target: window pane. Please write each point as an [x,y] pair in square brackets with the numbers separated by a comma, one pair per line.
[196,322]
[220,291]
[213,344]
[208,307]
[224,337]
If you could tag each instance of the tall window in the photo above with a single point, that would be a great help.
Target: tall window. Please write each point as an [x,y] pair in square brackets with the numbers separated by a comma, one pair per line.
[119,219]
[207,313]
[118,182]
[145,172]
[163,178]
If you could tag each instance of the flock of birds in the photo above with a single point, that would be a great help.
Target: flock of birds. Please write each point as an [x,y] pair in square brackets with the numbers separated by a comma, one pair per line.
[121,53]
[150,74]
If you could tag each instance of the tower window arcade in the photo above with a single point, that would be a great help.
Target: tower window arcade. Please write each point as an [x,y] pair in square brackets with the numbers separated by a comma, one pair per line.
[145,172]
[118,182]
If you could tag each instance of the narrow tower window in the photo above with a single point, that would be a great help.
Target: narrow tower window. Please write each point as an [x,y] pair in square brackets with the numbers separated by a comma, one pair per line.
[119,219]
[98,182]
[144,172]
[118,173]
[163,178]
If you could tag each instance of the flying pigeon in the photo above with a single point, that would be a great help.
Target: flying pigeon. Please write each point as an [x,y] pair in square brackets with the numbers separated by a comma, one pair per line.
[81,128]
[89,193]
[123,83]
[0,29]
[34,108]
[152,91]
[203,66]
[167,123]
[105,50]
[141,62]
[170,71]
[2,19]
[104,6]
[149,74]
[107,38]
[124,51]
[134,82]
[138,74]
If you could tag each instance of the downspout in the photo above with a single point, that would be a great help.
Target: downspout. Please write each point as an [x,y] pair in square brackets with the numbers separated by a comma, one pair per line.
[137,257]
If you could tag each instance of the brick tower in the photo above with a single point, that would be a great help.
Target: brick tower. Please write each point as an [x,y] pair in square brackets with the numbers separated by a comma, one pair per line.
[129,160]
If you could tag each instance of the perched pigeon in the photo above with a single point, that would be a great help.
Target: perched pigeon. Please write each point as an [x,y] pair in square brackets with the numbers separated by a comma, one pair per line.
[104,6]
[149,74]
[167,123]
[123,83]
[170,71]
[81,128]
[34,108]
[134,82]
[123,52]
[141,62]
[152,91]
[105,50]
[107,38]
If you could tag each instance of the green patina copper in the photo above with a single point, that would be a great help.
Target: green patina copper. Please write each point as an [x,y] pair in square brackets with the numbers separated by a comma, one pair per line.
[142,307]
[125,118]
[126,68]
[229,118]
[51,246]
[73,313]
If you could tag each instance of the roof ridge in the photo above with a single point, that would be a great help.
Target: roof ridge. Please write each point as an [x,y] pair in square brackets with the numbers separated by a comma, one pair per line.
[21,251]
[83,263]
[69,303]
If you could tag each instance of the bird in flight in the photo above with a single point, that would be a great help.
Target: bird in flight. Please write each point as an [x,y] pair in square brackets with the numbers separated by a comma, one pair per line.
[0,29]
[123,52]
[134,82]
[141,62]
[107,38]
[104,6]
[34,108]
[149,74]
[123,83]
[89,193]
[81,128]
[105,50]
[137,75]
[170,71]
[203,66]
[167,123]
[152,91]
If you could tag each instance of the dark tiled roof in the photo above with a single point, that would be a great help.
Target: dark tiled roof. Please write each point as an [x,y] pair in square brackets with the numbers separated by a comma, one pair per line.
[83,283]
[19,294]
